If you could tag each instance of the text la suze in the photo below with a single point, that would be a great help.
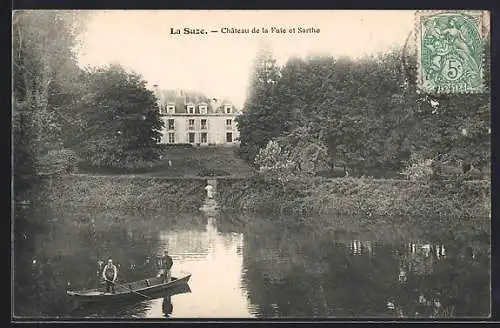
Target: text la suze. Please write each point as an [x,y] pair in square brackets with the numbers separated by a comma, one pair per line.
[187,30]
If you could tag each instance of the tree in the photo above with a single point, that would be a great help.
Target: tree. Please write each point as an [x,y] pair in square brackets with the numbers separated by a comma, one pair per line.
[43,59]
[355,108]
[261,121]
[367,113]
[454,129]
[122,119]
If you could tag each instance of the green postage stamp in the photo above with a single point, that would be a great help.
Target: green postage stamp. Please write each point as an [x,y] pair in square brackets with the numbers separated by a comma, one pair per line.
[450,51]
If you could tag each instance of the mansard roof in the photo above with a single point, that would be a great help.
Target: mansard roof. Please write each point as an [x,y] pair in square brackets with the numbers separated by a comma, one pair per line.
[183,99]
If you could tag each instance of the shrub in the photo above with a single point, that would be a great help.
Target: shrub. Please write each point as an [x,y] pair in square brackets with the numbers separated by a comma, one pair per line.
[419,168]
[275,163]
[363,198]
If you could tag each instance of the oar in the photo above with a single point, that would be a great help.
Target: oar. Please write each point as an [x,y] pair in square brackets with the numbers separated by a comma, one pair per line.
[133,291]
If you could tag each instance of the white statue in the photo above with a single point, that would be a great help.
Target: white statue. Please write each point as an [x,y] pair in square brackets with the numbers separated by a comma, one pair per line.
[209,189]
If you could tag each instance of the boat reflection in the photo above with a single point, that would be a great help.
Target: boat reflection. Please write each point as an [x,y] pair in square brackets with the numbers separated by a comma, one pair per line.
[167,305]
[131,307]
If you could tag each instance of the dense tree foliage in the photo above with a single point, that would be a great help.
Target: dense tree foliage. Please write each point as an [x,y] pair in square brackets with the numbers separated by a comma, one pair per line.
[261,120]
[105,115]
[44,72]
[367,113]
[122,119]
[454,129]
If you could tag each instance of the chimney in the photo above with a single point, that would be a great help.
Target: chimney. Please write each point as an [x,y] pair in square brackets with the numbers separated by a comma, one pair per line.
[215,103]
[183,96]
[180,101]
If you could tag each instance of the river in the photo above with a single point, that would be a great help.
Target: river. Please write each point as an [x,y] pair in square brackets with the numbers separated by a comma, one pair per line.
[246,267]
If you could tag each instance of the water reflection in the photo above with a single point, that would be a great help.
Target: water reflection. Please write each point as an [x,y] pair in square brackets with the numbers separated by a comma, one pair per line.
[291,274]
[167,306]
[246,267]
[135,308]
[213,259]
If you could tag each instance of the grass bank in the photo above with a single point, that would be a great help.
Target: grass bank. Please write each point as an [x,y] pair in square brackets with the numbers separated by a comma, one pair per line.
[185,162]
[121,191]
[360,197]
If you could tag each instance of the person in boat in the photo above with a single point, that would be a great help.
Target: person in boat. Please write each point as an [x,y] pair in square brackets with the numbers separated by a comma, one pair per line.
[165,263]
[109,273]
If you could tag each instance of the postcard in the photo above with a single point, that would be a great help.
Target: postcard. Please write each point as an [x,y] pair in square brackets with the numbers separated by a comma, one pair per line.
[267,164]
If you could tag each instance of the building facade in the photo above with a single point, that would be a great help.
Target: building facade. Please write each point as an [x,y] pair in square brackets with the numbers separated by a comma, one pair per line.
[200,122]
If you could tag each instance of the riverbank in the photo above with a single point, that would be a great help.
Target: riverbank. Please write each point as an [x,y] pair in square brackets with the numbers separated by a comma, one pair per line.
[386,200]
[367,198]
[121,191]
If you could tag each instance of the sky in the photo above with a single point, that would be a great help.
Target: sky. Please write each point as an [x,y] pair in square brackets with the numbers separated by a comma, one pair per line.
[219,65]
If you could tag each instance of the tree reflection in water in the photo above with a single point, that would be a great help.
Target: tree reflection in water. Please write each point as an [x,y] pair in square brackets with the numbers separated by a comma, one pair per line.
[292,274]
[441,271]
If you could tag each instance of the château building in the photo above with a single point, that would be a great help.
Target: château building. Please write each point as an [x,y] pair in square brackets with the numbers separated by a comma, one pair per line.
[197,120]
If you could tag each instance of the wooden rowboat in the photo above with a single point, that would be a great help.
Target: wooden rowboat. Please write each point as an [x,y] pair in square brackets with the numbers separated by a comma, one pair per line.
[137,289]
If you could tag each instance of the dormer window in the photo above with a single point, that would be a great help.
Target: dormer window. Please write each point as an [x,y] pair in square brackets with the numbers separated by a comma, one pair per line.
[190,108]
[170,108]
[203,109]
[228,109]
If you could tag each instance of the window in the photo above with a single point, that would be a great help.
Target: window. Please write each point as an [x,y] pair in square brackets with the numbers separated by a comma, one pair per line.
[171,137]
[171,124]
[190,109]
[228,122]
[204,137]
[170,109]
[191,137]
[229,137]
[191,124]
[203,109]
[203,124]
[228,109]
